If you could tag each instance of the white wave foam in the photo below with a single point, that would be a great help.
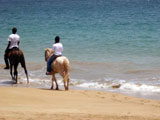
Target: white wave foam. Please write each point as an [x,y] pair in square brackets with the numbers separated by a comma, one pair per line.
[93,85]
[37,82]
[107,84]
[118,84]
[140,88]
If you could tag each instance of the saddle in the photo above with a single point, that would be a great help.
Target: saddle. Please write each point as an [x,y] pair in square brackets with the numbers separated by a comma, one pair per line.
[14,50]
[57,56]
[54,60]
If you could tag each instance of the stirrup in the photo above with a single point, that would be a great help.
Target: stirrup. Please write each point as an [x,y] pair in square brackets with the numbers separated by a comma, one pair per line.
[48,73]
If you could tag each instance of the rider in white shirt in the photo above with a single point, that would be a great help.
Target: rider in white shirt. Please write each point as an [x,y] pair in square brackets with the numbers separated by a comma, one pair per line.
[13,42]
[57,48]
[57,51]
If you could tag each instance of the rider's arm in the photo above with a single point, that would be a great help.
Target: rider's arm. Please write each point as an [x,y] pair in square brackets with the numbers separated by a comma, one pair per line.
[53,48]
[9,42]
[62,47]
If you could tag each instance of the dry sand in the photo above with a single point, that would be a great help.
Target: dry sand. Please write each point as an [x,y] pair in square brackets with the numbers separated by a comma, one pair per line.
[39,104]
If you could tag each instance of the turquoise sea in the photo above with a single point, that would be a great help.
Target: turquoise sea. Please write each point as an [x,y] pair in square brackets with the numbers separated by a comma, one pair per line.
[108,42]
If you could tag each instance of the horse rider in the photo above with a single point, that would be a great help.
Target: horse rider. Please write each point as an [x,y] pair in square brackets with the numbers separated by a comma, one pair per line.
[57,51]
[13,42]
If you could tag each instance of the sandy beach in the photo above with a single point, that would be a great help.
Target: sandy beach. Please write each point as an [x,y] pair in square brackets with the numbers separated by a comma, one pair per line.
[44,104]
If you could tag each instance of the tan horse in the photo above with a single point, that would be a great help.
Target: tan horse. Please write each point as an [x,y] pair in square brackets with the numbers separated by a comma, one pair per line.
[61,66]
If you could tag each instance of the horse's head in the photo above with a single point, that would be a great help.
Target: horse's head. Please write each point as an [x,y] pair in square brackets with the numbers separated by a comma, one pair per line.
[48,53]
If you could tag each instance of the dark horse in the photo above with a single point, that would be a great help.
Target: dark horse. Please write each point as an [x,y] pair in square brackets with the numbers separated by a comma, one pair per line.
[15,57]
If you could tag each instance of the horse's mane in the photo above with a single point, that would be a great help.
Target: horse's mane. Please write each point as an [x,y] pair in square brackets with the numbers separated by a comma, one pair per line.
[48,53]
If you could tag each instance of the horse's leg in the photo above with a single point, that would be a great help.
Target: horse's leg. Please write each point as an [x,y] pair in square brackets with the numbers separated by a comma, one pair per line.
[52,86]
[11,71]
[54,79]
[57,88]
[16,72]
[68,80]
[64,80]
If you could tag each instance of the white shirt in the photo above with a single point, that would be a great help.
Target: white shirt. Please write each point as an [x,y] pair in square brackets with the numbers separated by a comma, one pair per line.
[57,48]
[14,39]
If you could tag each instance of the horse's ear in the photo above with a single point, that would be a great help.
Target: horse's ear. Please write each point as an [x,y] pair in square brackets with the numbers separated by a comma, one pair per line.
[45,49]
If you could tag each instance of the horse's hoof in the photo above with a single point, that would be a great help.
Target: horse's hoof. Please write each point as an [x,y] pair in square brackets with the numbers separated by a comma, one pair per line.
[17,82]
[51,88]
[66,88]
[57,88]
[20,82]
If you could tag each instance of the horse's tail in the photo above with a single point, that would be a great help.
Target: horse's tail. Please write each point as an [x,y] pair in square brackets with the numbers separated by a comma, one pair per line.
[23,64]
[66,68]
[22,61]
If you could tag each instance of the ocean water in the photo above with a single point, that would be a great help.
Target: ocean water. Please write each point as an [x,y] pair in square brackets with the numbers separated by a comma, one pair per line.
[108,42]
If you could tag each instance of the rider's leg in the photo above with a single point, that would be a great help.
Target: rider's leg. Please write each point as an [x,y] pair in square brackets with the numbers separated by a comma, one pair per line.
[50,62]
[6,58]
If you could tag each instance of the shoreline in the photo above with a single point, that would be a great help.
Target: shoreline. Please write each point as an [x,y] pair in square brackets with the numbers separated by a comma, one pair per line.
[32,103]
[82,77]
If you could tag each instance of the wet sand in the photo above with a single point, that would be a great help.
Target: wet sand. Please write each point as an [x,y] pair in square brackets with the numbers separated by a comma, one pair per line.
[43,104]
